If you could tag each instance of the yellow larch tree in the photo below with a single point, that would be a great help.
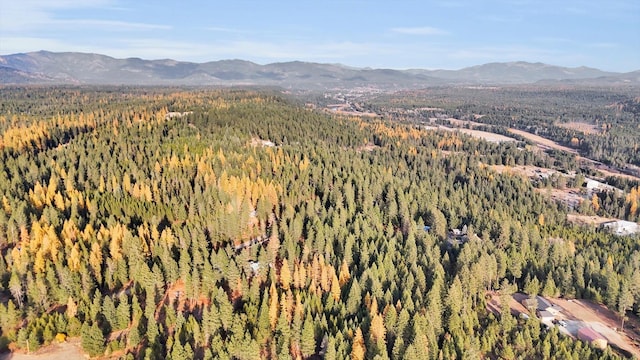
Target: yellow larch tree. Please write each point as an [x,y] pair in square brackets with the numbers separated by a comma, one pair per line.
[377,329]
[74,258]
[273,306]
[358,349]
[344,273]
[95,260]
[285,275]
[335,287]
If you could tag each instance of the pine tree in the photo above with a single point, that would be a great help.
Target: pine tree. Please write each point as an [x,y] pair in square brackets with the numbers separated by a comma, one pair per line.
[123,313]
[92,340]
[307,339]
[285,275]
[15,286]
[354,299]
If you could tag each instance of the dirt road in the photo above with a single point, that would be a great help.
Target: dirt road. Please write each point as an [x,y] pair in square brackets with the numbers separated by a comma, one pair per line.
[65,351]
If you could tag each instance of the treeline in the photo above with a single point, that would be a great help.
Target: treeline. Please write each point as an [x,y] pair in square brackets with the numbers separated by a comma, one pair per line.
[193,237]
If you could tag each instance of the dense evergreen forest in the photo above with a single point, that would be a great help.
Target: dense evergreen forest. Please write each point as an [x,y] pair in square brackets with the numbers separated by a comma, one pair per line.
[234,224]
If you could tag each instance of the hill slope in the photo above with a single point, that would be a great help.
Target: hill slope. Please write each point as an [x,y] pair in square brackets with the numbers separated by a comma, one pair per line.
[82,68]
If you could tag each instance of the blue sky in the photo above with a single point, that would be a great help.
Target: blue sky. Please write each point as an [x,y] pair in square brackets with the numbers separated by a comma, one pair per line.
[396,34]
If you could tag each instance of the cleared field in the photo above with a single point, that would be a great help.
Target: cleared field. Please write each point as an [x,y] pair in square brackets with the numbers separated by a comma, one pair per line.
[582,127]
[488,136]
[580,313]
[458,122]
[491,137]
[570,197]
[603,321]
[515,304]
[525,170]
[542,142]
[355,113]
[608,171]
[587,220]
[545,144]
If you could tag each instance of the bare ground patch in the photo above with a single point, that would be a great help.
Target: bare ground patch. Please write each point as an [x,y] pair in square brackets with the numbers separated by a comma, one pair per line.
[580,313]
[458,122]
[608,171]
[515,305]
[585,128]
[525,170]
[69,350]
[367,147]
[586,220]
[604,321]
[488,136]
[569,196]
[542,142]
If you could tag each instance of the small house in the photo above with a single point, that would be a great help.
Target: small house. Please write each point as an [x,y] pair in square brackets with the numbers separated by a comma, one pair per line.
[543,304]
[590,336]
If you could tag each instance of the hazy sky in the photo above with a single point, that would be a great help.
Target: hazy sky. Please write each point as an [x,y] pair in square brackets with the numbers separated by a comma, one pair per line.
[383,34]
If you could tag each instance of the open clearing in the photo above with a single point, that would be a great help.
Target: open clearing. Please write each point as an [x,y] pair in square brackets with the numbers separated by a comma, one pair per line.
[547,144]
[488,136]
[491,137]
[580,313]
[585,128]
[585,220]
[529,171]
[467,127]
[516,307]
[608,171]
[458,122]
[570,197]
[603,321]
[69,350]
[542,142]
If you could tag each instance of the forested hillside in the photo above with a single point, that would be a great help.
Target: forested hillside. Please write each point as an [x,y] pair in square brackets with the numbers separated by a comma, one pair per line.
[166,223]
[608,116]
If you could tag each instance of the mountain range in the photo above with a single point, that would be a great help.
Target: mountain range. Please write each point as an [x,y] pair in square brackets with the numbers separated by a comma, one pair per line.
[44,67]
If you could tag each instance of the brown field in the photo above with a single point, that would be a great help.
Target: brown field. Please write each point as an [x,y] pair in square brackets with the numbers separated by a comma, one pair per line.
[585,220]
[585,128]
[515,305]
[542,142]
